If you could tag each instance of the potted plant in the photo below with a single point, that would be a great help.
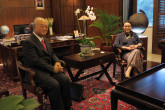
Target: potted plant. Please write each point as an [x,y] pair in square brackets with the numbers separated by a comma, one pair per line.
[86,45]
[109,25]
[17,102]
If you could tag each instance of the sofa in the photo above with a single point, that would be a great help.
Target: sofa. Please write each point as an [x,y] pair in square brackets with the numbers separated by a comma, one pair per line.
[161,45]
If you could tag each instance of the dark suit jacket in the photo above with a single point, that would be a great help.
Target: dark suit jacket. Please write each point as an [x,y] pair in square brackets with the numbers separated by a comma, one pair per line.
[35,56]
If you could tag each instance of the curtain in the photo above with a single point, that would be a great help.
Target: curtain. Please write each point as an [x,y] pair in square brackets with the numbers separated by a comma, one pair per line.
[127,9]
[158,25]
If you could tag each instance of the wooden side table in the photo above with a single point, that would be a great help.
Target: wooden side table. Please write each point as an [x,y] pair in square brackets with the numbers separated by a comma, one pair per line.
[85,62]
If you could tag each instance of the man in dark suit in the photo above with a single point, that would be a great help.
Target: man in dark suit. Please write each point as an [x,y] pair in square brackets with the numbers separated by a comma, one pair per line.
[47,66]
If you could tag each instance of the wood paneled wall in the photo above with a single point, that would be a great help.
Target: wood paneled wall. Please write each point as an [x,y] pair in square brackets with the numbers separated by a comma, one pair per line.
[63,13]
[14,12]
[66,21]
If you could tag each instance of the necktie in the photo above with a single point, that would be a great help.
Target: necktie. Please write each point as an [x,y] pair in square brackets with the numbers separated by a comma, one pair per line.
[43,43]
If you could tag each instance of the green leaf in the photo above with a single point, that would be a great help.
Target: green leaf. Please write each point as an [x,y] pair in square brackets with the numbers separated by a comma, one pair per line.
[17,102]
[30,104]
[10,102]
[19,107]
[92,44]
[81,54]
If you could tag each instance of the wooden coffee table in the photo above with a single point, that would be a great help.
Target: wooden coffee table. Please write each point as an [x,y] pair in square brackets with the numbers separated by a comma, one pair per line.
[145,91]
[85,62]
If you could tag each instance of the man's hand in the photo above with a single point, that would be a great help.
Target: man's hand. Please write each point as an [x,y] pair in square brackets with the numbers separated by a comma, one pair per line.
[58,68]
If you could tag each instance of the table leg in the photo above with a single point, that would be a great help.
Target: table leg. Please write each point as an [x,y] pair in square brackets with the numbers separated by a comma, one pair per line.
[114,101]
[101,74]
[70,73]
[107,74]
[80,71]
[114,69]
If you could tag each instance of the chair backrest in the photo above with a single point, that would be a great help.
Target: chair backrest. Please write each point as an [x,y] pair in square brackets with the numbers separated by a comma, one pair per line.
[113,39]
[25,74]
[31,27]
[161,45]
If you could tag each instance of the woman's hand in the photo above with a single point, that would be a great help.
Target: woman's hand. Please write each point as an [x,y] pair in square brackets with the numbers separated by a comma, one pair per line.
[130,47]
[133,46]
[127,48]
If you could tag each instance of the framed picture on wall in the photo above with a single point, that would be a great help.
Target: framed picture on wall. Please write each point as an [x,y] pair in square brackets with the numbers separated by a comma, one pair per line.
[39,4]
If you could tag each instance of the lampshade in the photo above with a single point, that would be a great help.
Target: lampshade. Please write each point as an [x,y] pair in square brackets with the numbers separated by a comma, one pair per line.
[84,17]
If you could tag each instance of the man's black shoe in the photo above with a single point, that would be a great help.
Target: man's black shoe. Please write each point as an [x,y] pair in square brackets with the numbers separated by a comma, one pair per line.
[70,108]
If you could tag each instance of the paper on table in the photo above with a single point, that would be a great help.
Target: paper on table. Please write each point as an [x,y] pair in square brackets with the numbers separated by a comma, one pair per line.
[63,37]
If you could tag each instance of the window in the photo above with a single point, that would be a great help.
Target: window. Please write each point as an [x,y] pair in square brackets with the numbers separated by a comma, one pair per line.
[147,7]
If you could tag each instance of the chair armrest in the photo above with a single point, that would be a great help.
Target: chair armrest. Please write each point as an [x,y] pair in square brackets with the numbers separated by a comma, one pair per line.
[63,63]
[161,44]
[118,52]
[22,70]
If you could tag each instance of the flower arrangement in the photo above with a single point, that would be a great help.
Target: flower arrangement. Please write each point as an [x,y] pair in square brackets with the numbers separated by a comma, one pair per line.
[88,11]
[50,21]
[50,25]
[88,14]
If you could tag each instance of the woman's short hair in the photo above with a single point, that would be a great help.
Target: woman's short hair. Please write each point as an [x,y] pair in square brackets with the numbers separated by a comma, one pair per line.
[127,22]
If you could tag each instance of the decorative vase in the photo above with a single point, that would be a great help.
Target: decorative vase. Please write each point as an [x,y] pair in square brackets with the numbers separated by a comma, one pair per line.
[86,50]
[50,30]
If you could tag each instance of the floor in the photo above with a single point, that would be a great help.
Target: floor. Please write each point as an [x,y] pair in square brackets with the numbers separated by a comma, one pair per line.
[154,57]
[153,60]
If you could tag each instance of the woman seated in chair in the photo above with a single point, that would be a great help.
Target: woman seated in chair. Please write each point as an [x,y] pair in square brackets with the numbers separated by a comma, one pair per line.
[129,44]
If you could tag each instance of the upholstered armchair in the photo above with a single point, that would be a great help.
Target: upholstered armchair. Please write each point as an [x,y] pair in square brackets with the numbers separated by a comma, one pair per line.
[161,45]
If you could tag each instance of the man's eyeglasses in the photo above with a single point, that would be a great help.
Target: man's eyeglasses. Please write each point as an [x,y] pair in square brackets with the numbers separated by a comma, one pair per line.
[43,26]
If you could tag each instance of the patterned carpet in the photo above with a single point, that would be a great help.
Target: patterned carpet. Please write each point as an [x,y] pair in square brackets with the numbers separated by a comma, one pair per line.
[96,92]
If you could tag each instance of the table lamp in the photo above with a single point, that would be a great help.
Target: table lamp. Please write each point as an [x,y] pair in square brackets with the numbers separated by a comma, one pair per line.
[84,18]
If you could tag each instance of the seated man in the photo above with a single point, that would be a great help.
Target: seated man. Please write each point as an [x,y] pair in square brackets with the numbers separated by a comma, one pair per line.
[129,43]
[37,54]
